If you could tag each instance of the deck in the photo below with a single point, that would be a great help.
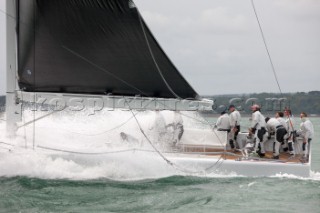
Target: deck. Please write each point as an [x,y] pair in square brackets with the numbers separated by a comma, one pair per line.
[238,155]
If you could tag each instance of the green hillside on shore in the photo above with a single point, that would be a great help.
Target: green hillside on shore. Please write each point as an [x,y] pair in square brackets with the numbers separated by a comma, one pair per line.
[308,102]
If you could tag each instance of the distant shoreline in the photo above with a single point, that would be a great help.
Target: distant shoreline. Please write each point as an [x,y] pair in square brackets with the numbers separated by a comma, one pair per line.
[272,102]
[246,115]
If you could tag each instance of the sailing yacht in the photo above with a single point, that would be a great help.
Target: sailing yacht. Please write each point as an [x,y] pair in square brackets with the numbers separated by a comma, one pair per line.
[76,66]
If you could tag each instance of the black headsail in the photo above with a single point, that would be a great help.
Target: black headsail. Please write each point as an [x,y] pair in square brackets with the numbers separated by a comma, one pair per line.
[95,47]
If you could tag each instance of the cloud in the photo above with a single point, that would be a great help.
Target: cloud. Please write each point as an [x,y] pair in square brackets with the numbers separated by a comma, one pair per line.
[210,20]
[301,8]
[220,19]
[156,19]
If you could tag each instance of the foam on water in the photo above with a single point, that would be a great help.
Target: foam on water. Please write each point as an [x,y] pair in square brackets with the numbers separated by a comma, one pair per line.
[35,164]
[98,135]
[313,176]
[120,166]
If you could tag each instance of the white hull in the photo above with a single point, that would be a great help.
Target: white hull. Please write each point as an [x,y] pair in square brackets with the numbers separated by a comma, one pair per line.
[144,164]
[249,168]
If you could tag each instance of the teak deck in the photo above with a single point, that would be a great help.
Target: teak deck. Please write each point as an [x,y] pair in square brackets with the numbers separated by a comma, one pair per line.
[230,155]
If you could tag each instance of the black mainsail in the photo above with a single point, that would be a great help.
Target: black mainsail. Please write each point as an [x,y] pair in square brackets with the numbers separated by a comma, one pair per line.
[92,47]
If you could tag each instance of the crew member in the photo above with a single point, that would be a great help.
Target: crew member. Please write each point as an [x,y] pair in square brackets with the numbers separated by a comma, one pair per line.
[235,119]
[223,122]
[258,128]
[274,126]
[279,117]
[290,129]
[306,131]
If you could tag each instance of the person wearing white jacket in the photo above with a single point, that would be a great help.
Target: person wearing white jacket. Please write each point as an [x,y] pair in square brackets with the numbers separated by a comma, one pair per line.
[279,117]
[306,131]
[275,126]
[235,119]
[258,128]
[291,131]
[223,122]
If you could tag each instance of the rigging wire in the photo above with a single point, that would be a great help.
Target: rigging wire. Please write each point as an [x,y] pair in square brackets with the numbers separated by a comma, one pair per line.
[103,69]
[205,122]
[34,76]
[37,119]
[153,57]
[134,115]
[207,170]
[7,14]
[23,120]
[89,153]
[87,60]
[112,129]
[266,46]
[269,55]
[149,141]
[1,142]
[22,111]
[130,150]
[163,157]
[157,66]
[104,132]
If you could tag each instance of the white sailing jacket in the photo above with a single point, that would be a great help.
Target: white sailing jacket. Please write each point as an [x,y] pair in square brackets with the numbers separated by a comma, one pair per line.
[235,118]
[290,124]
[306,129]
[272,125]
[258,120]
[283,122]
[223,122]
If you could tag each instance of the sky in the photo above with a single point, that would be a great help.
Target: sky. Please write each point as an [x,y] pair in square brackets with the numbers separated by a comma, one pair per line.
[218,48]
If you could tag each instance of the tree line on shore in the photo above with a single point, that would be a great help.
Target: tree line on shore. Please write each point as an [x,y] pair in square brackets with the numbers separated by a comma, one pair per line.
[308,102]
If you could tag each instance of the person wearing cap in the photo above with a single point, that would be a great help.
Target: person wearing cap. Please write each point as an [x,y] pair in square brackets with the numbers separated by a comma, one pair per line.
[291,131]
[258,129]
[223,122]
[275,126]
[235,119]
[306,131]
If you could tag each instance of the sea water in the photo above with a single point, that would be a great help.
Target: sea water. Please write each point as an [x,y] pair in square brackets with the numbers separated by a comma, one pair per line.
[35,183]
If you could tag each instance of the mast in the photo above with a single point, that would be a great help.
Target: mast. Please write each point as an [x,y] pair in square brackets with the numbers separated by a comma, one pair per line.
[13,107]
